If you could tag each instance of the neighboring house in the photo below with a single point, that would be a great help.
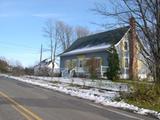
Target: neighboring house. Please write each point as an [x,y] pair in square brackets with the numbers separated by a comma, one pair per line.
[95,46]
[45,67]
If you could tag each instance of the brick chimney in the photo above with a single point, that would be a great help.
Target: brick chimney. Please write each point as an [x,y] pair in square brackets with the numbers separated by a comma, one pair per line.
[133,65]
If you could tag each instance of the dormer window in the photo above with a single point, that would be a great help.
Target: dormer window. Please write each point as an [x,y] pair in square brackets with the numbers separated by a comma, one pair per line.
[125,45]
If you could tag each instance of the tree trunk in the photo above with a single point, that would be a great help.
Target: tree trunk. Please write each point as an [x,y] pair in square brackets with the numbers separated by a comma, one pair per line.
[157,73]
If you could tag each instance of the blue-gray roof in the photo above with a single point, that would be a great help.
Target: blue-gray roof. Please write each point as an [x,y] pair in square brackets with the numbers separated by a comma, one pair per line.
[109,37]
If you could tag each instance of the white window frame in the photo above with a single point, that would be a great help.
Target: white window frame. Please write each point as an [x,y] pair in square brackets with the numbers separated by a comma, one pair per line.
[126,68]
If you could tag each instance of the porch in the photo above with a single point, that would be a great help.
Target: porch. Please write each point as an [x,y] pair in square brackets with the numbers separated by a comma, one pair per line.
[83,72]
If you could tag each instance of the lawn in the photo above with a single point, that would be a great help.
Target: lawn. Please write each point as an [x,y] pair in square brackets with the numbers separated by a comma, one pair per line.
[144,95]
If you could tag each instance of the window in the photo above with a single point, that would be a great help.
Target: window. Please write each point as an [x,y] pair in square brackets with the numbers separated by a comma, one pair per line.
[80,63]
[125,45]
[126,63]
[67,63]
[74,61]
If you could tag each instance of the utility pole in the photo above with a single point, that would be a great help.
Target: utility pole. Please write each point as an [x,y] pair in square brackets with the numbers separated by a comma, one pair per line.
[41,52]
[51,38]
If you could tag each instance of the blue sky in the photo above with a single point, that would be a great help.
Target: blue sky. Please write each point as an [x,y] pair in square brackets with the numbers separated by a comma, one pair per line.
[21,23]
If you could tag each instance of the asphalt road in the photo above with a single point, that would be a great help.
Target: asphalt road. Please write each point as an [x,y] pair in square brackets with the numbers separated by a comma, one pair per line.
[22,101]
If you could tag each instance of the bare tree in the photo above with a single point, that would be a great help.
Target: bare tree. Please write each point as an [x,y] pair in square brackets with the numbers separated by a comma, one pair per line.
[81,31]
[64,34]
[60,36]
[17,68]
[50,31]
[147,16]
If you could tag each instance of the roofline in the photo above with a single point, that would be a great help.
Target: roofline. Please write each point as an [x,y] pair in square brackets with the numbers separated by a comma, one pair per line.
[138,40]
[103,32]
[122,37]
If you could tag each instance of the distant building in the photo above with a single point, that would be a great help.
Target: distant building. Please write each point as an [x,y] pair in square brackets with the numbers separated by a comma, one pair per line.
[95,46]
[45,67]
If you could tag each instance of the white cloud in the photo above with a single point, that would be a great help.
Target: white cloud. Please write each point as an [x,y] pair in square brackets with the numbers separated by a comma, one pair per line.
[12,14]
[4,15]
[46,15]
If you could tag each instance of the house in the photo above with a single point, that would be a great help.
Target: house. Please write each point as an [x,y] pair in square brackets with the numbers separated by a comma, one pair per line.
[95,46]
[45,67]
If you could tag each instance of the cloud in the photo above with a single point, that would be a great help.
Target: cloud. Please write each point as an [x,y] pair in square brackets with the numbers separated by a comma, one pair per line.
[4,15]
[6,4]
[46,15]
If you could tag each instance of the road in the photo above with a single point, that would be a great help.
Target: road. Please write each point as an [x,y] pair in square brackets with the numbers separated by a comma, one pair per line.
[22,101]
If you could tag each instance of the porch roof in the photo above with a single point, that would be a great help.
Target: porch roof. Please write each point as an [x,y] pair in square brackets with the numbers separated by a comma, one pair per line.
[87,50]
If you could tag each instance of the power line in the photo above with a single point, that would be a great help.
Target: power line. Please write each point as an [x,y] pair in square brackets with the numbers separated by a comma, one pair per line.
[22,46]
[18,45]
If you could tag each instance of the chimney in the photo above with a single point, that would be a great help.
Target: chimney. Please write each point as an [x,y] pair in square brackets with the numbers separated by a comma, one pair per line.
[133,66]
[132,23]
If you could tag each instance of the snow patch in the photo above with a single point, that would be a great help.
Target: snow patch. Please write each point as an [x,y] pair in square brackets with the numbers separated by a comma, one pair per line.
[101,84]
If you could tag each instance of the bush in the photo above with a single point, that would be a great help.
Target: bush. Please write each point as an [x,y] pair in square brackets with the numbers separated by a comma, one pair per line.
[113,64]
[4,67]
[91,66]
[44,71]
[29,71]
[17,71]
[145,95]
[55,75]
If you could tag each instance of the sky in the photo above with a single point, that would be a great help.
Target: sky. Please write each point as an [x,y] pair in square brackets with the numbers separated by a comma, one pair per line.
[21,23]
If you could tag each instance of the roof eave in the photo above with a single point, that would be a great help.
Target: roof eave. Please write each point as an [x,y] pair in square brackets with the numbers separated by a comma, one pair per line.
[84,51]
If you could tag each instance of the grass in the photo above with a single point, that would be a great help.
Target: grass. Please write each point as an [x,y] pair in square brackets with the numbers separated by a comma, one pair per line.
[144,96]
[74,85]
[144,104]
[131,82]
[55,82]
[79,86]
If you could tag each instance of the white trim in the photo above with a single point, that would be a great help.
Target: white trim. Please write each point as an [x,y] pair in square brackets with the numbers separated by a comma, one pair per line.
[122,37]
[142,76]
[87,58]
[102,71]
[124,76]
[87,50]
[98,57]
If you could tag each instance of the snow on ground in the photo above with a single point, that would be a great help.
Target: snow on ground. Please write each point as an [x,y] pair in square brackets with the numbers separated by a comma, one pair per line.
[100,96]
[102,84]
